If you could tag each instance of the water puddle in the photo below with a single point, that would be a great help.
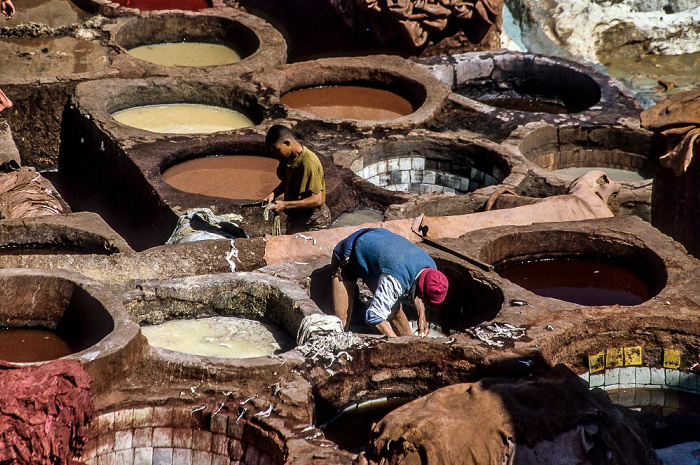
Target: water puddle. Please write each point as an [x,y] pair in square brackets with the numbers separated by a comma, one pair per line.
[53,13]
[349,102]
[220,337]
[59,57]
[183,118]
[229,176]
[584,282]
[24,345]
[186,54]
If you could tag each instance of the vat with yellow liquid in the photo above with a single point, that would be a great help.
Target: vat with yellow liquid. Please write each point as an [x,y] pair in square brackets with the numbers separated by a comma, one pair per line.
[186,54]
[183,118]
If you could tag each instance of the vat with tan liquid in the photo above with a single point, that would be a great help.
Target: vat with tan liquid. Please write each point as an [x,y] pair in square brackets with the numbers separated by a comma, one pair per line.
[349,102]
[227,176]
[219,337]
[186,54]
[183,118]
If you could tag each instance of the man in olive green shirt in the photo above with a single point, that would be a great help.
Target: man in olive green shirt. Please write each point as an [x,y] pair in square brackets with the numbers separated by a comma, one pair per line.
[303,185]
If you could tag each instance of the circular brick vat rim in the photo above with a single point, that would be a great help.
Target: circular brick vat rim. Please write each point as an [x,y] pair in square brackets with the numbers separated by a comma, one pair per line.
[285,304]
[376,162]
[262,46]
[99,99]
[524,139]
[405,78]
[118,342]
[614,98]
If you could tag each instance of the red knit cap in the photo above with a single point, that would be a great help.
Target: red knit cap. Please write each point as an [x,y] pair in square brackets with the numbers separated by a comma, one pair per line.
[432,285]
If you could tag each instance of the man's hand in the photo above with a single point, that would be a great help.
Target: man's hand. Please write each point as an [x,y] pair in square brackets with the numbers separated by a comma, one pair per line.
[270,198]
[8,9]
[279,206]
[423,329]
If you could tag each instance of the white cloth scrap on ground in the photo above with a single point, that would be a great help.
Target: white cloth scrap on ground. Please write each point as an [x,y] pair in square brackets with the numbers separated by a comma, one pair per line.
[200,224]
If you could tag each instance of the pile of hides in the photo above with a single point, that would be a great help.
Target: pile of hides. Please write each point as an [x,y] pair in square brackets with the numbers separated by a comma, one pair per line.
[678,119]
[44,410]
[201,224]
[24,193]
[413,20]
[550,420]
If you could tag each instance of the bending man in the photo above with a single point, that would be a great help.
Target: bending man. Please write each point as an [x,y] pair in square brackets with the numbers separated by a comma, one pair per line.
[392,266]
[302,183]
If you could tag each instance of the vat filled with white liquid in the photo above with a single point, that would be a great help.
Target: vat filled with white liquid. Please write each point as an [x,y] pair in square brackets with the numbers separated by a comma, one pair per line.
[183,118]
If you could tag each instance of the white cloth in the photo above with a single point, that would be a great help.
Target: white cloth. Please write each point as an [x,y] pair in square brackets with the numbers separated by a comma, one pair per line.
[385,297]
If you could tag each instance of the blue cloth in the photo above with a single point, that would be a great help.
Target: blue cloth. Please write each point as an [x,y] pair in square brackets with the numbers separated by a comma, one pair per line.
[376,251]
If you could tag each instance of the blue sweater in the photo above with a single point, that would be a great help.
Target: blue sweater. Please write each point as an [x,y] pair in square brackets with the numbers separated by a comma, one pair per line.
[378,251]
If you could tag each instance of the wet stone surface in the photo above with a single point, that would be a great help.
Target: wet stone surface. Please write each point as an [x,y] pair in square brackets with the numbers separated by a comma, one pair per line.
[52,57]
[53,13]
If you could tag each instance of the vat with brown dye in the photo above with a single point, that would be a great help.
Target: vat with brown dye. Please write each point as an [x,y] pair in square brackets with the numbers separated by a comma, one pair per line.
[584,282]
[228,176]
[186,54]
[32,345]
[349,102]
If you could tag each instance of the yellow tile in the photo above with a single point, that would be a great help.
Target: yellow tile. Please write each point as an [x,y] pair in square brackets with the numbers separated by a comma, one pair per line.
[633,355]
[614,357]
[672,358]
[596,362]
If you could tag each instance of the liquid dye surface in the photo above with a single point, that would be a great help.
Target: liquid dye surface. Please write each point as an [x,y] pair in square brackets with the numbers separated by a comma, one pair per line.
[349,102]
[183,118]
[220,337]
[582,282]
[656,401]
[186,54]
[613,173]
[149,5]
[351,429]
[230,177]
[23,345]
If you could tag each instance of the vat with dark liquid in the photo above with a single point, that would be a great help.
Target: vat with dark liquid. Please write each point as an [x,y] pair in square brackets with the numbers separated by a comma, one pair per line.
[22,345]
[349,102]
[584,282]
[228,176]
[352,428]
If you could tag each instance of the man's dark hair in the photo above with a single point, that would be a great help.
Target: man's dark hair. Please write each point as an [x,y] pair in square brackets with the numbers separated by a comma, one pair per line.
[277,133]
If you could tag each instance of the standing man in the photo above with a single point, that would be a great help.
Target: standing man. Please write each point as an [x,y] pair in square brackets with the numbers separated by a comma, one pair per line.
[302,185]
[8,9]
[392,267]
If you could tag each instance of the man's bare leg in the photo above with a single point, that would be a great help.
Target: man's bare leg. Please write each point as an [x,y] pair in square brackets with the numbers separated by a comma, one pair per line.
[343,299]
[5,102]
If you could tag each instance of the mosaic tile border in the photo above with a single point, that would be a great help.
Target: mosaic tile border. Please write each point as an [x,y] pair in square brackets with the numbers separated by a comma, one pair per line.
[644,377]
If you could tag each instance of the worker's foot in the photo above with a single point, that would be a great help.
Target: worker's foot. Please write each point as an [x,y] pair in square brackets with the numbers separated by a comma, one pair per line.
[5,102]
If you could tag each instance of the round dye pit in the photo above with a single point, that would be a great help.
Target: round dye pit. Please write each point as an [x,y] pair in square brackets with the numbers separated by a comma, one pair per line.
[220,337]
[351,429]
[54,314]
[528,83]
[624,154]
[229,176]
[186,54]
[183,118]
[575,267]
[178,435]
[349,102]
[432,165]
[219,38]
[583,282]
